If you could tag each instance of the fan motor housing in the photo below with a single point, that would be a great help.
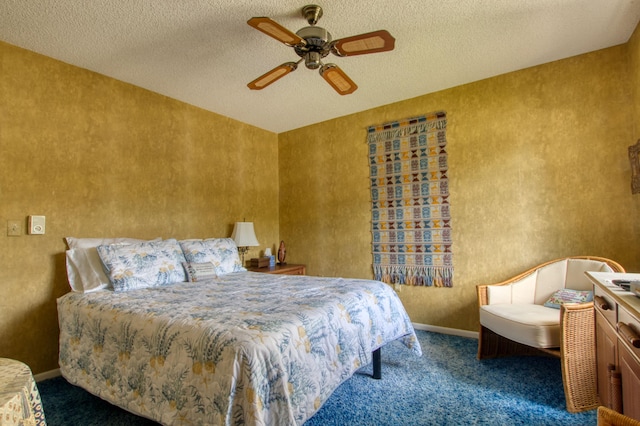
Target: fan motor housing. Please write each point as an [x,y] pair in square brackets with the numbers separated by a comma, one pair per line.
[317,45]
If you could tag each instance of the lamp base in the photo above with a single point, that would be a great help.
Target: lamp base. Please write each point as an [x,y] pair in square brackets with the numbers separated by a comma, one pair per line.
[242,251]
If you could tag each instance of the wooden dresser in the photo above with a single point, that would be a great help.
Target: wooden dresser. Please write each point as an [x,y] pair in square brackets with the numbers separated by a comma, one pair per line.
[286,269]
[617,315]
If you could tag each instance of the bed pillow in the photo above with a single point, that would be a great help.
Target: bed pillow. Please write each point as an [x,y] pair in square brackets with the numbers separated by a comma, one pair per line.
[75,243]
[567,295]
[143,265]
[84,267]
[199,271]
[222,252]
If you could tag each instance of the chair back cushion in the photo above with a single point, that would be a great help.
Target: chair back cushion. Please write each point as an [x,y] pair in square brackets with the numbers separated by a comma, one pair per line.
[567,273]
[549,279]
[576,277]
[540,284]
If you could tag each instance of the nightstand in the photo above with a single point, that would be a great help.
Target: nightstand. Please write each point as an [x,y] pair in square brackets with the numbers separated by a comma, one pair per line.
[286,269]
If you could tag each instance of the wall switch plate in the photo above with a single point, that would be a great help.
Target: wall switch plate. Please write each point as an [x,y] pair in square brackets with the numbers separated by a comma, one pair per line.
[14,228]
[36,225]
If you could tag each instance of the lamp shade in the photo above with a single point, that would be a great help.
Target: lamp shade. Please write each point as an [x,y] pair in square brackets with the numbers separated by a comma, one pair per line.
[244,235]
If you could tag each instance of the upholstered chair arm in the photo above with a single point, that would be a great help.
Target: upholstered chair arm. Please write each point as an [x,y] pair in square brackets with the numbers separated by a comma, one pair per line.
[508,289]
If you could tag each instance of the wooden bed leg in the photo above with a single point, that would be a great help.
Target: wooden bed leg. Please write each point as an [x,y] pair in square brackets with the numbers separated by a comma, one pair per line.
[377,364]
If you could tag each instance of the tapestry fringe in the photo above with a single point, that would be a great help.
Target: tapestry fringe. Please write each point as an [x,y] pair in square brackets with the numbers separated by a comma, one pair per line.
[414,275]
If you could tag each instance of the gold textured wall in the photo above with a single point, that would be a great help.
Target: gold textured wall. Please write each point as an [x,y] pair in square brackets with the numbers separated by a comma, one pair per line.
[101,158]
[538,170]
[538,167]
[634,64]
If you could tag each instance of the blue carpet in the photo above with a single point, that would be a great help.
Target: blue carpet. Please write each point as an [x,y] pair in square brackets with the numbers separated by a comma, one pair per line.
[446,386]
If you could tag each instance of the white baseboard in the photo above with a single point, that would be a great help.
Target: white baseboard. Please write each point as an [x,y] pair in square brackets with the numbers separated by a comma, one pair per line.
[446,330]
[47,375]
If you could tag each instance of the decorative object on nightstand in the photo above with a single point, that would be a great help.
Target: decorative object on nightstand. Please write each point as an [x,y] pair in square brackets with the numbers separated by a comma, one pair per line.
[272,258]
[260,262]
[245,237]
[282,253]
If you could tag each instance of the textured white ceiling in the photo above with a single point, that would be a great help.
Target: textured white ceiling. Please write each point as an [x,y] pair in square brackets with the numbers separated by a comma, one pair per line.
[202,52]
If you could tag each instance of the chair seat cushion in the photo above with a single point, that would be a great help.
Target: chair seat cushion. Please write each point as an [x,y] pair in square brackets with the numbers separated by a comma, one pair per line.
[529,324]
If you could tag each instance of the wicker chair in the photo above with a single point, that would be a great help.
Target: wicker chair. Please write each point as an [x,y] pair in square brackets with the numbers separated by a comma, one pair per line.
[571,338]
[608,417]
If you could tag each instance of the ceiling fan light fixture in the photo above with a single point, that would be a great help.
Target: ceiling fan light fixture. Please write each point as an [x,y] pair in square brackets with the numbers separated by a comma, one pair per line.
[272,76]
[338,79]
[312,60]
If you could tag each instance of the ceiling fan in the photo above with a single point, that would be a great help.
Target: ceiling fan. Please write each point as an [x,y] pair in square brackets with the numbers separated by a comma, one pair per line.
[313,43]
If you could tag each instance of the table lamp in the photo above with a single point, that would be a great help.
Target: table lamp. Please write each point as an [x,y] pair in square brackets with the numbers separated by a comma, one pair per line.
[245,237]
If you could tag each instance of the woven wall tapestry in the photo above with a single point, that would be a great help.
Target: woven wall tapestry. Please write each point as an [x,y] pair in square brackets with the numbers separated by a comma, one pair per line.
[411,221]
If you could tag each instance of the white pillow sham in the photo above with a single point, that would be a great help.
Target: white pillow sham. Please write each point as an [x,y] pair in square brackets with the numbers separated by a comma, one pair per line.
[74,242]
[85,271]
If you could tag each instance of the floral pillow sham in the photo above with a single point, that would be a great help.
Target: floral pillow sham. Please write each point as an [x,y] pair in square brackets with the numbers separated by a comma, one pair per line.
[143,265]
[222,252]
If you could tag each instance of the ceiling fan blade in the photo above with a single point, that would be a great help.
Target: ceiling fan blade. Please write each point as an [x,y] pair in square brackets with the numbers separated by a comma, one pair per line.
[275,30]
[338,79]
[271,76]
[377,41]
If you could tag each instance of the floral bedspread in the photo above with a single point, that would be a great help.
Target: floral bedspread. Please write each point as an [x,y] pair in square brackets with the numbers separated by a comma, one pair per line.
[244,348]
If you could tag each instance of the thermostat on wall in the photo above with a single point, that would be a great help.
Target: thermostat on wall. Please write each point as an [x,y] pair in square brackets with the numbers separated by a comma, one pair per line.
[36,225]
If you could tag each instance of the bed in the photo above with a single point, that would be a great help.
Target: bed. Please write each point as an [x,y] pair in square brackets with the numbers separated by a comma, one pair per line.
[236,347]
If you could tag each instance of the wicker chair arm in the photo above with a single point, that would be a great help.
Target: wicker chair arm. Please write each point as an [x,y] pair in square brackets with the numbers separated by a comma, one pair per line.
[483,299]
[575,317]
[578,356]
[609,417]
[569,309]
